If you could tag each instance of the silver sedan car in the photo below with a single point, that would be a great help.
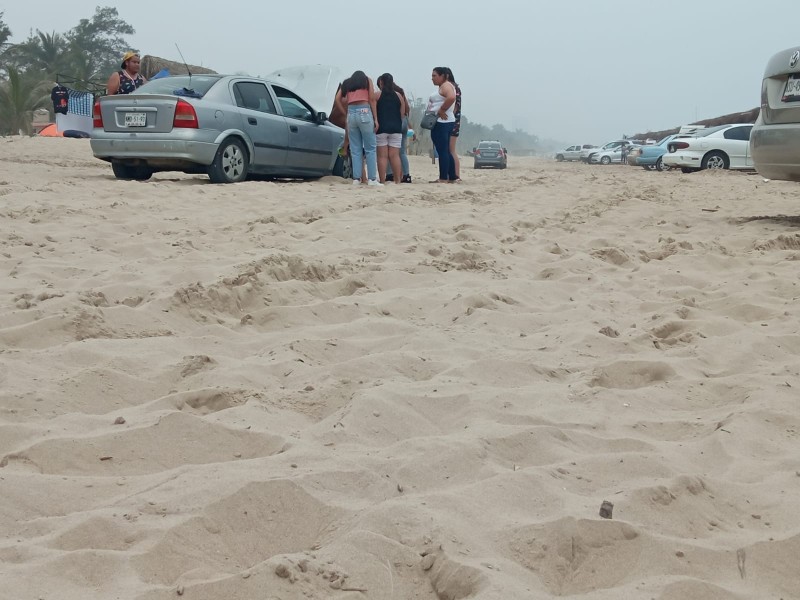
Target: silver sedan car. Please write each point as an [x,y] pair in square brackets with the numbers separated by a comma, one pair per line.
[226,126]
[775,140]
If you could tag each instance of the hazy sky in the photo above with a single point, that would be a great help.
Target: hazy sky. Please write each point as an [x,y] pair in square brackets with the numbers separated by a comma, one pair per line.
[580,71]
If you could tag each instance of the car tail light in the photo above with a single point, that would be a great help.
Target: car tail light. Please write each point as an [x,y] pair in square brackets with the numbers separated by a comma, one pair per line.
[185,115]
[500,153]
[97,115]
[677,146]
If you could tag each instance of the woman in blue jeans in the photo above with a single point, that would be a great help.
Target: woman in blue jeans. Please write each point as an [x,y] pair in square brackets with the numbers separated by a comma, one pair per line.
[443,104]
[362,123]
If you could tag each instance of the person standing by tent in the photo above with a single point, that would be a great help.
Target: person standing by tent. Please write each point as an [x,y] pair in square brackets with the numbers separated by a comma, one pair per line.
[128,78]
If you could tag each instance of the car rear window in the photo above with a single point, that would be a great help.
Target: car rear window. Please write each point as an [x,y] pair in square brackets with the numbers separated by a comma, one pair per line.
[195,86]
[705,132]
[489,145]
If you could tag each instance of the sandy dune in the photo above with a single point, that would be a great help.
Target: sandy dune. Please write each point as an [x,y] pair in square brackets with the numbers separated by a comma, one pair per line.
[306,390]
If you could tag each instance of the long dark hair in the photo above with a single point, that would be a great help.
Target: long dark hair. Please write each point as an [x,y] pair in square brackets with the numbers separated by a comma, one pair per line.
[357,81]
[387,81]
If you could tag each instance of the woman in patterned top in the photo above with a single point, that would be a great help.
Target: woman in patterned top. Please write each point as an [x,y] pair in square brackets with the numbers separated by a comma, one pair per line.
[128,78]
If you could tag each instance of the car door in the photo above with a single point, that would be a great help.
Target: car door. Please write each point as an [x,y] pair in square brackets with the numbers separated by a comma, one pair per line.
[267,129]
[311,147]
[737,142]
[569,153]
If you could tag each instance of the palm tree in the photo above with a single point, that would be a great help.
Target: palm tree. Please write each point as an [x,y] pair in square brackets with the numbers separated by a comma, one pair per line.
[44,52]
[19,97]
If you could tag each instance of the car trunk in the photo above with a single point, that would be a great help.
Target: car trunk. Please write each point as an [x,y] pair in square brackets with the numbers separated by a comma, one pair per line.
[780,93]
[140,113]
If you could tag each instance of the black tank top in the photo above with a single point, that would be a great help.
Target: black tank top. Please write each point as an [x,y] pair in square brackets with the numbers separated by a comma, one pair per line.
[389,118]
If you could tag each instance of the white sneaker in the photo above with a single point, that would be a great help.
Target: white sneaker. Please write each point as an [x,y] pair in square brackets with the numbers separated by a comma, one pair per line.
[356,182]
[375,182]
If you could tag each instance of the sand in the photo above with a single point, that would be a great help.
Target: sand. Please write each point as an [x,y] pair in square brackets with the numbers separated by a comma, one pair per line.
[309,390]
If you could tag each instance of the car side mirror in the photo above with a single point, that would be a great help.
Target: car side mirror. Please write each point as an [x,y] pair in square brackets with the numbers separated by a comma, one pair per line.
[505,150]
[321,117]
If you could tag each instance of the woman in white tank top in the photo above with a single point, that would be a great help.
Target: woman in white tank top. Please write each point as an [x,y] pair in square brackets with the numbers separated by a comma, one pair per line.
[443,104]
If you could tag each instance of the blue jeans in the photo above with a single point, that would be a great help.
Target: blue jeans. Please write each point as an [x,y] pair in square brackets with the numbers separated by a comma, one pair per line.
[404,149]
[361,130]
[440,135]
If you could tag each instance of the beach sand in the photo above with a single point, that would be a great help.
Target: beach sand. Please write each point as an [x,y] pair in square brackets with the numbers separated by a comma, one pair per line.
[309,390]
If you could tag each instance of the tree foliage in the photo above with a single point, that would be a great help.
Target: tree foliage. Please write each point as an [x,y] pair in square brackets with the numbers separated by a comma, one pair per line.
[88,52]
[20,95]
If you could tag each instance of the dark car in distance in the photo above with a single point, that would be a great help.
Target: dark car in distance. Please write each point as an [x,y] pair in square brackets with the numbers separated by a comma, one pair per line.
[490,154]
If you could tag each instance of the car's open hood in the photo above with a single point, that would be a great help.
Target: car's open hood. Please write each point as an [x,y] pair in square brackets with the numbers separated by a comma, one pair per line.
[317,84]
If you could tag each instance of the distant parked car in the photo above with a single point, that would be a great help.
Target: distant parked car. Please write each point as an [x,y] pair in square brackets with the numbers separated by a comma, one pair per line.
[225,126]
[650,155]
[573,152]
[588,153]
[775,140]
[722,147]
[490,154]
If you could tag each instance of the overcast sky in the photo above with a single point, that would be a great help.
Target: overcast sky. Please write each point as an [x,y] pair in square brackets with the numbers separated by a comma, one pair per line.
[580,71]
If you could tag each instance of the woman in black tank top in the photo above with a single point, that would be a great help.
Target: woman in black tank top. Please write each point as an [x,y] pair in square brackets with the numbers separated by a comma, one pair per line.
[391,108]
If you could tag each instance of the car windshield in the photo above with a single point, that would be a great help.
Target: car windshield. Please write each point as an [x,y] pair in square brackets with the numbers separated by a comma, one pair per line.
[490,145]
[195,86]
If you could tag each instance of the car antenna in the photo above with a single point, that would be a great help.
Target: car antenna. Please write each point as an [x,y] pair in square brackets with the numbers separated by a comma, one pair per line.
[185,64]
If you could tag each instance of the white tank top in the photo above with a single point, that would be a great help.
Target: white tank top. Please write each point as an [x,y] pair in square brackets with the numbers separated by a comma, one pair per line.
[436,101]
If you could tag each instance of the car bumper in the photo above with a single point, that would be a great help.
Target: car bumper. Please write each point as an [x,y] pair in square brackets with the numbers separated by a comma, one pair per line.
[645,161]
[776,150]
[157,151]
[690,160]
[490,162]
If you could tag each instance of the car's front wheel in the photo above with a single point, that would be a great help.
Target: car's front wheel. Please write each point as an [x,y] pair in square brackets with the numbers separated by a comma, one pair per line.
[715,160]
[131,172]
[660,166]
[230,163]
[560,157]
[605,160]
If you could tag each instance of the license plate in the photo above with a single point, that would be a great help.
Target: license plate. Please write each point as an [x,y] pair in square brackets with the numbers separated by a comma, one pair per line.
[135,119]
[792,91]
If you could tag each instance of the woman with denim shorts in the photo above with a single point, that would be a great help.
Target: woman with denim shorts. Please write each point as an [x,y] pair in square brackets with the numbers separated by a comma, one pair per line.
[391,110]
[443,104]
[457,126]
[362,123]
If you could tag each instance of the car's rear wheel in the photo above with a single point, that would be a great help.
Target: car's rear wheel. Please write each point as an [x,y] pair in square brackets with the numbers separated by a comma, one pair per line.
[230,163]
[660,166]
[605,160]
[715,160]
[560,157]
[131,172]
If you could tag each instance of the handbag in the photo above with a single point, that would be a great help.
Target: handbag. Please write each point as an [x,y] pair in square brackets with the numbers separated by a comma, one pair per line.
[428,120]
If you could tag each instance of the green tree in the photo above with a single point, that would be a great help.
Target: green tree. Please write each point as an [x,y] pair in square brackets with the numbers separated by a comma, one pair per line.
[45,53]
[20,95]
[101,41]
[5,32]
[5,35]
